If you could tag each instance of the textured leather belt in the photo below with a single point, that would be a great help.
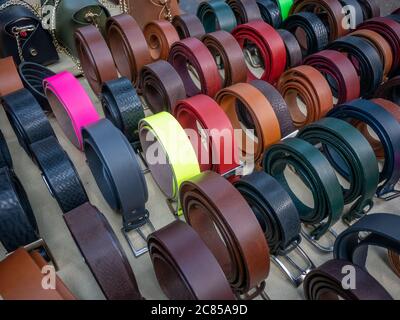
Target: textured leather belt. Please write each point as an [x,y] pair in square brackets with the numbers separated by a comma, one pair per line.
[160,36]
[316,173]
[326,283]
[390,90]
[95,57]
[5,156]
[267,128]
[371,9]
[32,76]
[122,106]
[161,86]
[340,73]
[223,45]
[71,105]
[244,10]
[386,127]
[218,212]
[294,55]
[128,46]
[270,13]
[9,77]
[270,45]
[220,152]
[194,52]
[394,261]
[185,267]
[284,6]
[316,36]
[361,168]
[366,60]
[216,15]
[188,25]
[313,89]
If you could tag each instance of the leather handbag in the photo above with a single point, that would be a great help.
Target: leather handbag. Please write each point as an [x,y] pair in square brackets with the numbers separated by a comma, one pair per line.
[22,35]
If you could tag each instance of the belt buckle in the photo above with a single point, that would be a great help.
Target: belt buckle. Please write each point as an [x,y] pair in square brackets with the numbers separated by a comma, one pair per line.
[315,243]
[139,151]
[258,291]
[390,195]
[252,55]
[174,210]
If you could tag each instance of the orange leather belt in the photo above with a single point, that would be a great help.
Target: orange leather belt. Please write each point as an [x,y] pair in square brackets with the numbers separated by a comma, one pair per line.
[188,25]
[9,77]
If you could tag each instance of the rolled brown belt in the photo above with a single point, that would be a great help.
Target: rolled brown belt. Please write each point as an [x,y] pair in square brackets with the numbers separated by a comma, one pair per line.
[226,223]
[185,268]
[266,124]
[95,56]
[160,36]
[381,45]
[128,46]
[394,261]
[21,278]
[9,77]
[307,84]
[245,10]
[161,86]
[390,90]
[223,44]
[188,25]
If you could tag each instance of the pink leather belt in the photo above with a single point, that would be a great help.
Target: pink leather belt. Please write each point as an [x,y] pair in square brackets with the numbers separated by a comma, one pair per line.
[71,105]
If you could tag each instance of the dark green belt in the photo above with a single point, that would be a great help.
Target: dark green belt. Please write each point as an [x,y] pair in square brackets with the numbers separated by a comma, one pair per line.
[354,151]
[318,175]
[216,15]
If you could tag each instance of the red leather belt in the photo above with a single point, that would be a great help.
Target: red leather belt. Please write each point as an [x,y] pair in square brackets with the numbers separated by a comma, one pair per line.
[245,10]
[9,77]
[194,52]
[188,25]
[226,223]
[128,46]
[220,154]
[271,48]
[339,71]
[95,56]
[223,44]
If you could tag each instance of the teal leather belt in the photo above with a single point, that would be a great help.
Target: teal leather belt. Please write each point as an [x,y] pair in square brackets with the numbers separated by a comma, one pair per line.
[216,15]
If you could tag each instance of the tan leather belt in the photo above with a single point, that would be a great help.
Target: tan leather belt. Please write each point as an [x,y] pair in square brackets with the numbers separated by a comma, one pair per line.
[9,77]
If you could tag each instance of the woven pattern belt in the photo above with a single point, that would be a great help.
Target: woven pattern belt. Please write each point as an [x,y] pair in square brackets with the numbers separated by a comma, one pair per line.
[270,13]
[216,15]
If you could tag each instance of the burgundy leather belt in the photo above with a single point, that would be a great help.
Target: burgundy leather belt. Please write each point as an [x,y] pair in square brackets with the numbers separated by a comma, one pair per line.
[194,52]
[293,49]
[185,267]
[226,223]
[9,77]
[245,10]
[95,56]
[188,25]
[161,86]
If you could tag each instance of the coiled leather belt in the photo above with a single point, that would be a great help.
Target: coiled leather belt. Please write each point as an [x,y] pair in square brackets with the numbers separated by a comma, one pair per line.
[270,45]
[354,12]
[340,73]
[361,168]
[224,45]
[194,52]
[326,283]
[365,58]
[71,105]
[185,267]
[316,172]
[217,211]
[311,86]
[394,261]
[128,46]
[315,32]
[188,25]
[370,8]
[220,154]
[284,6]
[216,15]
[122,106]
[9,77]
[160,36]
[32,76]
[386,127]
[390,90]
[95,56]
[5,156]
[161,86]
[270,13]
[244,10]
[294,55]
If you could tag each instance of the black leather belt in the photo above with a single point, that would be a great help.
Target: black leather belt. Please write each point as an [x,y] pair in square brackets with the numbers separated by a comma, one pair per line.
[387,128]
[366,60]
[390,90]
[294,54]
[32,76]
[270,12]
[357,156]
[122,106]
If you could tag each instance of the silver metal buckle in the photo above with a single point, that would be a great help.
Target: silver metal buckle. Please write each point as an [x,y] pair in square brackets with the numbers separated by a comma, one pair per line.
[142,250]
[316,244]
[137,148]
[252,55]
[390,195]
[173,209]
[47,185]
[258,291]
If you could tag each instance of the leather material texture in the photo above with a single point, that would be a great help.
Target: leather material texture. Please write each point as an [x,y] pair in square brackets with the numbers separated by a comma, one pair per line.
[216,15]
[9,77]
[188,25]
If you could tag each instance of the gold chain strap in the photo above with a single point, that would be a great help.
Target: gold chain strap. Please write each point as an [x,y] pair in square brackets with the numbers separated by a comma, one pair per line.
[165,9]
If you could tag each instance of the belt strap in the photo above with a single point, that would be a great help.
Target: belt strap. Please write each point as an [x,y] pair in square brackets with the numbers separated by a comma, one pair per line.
[122,106]
[316,172]
[355,9]
[244,10]
[5,156]
[390,90]
[194,52]
[371,9]
[220,154]
[325,283]
[127,45]
[223,45]
[284,7]
[185,267]
[95,57]
[188,25]
[394,261]
[270,45]
[270,13]
[71,105]
[9,78]
[311,86]
[216,15]
[294,54]
[161,86]
[342,76]
[394,16]
[217,211]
